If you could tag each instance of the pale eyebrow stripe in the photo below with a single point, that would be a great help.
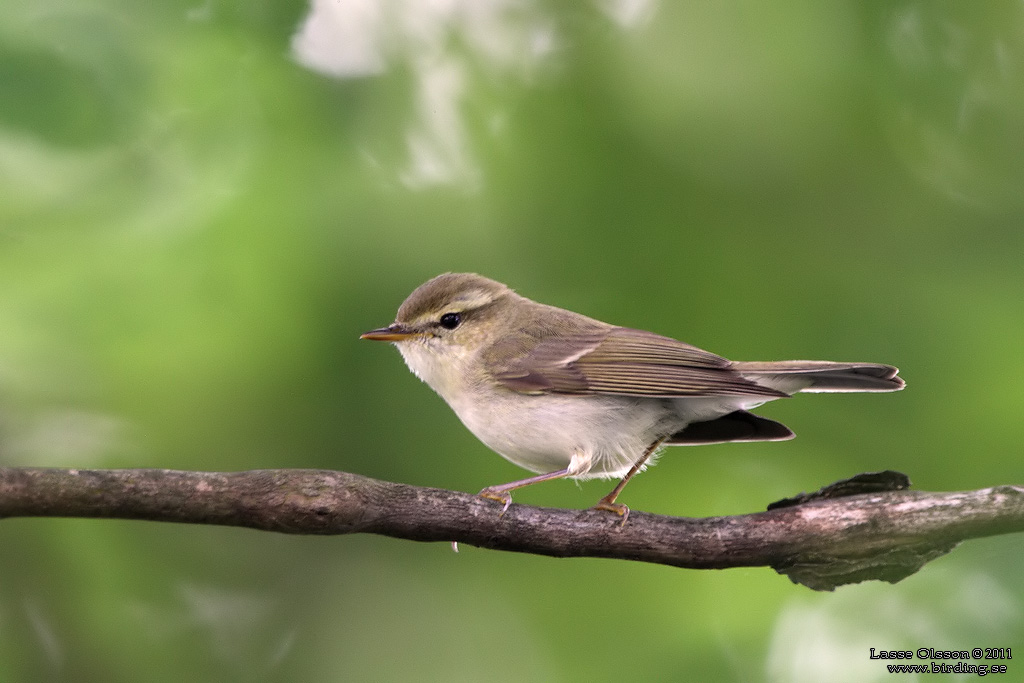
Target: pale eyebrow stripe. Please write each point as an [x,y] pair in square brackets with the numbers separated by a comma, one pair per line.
[474,298]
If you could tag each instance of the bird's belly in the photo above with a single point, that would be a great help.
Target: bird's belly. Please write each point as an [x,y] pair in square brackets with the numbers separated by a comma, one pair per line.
[543,433]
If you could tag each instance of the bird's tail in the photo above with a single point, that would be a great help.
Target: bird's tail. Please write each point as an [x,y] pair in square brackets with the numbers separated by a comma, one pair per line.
[792,376]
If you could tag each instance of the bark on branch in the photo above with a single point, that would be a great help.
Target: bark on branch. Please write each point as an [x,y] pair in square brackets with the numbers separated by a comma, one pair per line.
[818,541]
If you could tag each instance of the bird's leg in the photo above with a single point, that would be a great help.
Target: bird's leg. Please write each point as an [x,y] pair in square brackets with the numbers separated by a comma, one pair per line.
[579,463]
[608,502]
[501,493]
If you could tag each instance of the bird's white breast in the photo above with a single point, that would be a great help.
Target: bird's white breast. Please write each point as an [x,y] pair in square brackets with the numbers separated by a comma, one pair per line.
[541,433]
[544,432]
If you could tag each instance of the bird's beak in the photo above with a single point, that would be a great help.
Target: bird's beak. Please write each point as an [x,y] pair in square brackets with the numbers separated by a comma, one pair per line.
[393,332]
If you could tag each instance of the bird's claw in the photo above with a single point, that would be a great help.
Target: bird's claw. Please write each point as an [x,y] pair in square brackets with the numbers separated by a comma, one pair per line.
[496,494]
[611,506]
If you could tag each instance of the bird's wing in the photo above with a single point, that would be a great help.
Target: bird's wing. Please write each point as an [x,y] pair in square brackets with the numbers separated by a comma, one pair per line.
[616,361]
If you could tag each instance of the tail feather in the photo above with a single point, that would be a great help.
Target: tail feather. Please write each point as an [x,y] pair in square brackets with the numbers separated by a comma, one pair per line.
[792,376]
[736,426]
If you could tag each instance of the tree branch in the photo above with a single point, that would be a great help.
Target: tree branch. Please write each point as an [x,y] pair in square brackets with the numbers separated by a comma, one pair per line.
[818,541]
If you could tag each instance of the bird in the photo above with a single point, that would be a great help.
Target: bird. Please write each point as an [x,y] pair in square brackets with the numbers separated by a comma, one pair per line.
[561,394]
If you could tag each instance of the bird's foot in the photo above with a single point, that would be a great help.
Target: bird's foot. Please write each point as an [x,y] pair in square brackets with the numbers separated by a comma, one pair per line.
[611,506]
[496,493]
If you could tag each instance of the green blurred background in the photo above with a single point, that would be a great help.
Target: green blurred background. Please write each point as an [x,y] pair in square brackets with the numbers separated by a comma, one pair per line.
[202,205]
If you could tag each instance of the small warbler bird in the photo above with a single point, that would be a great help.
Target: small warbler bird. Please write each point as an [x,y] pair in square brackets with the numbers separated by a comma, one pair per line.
[564,395]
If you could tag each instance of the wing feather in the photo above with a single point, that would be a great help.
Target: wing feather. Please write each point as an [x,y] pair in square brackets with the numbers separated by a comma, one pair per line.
[617,361]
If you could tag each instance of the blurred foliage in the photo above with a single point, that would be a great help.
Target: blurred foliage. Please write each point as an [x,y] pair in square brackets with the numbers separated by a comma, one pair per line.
[203,204]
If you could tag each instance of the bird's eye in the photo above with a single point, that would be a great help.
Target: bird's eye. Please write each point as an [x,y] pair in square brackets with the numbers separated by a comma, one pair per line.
[450,321]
